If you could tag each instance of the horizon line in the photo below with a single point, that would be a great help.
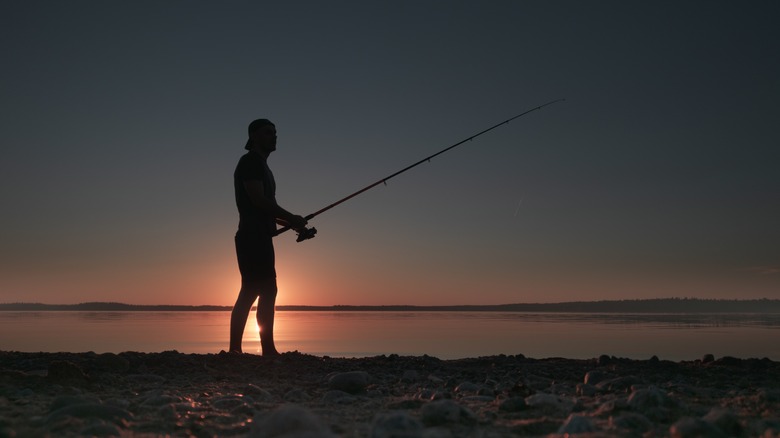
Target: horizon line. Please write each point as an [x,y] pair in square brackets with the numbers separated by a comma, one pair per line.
[677,301]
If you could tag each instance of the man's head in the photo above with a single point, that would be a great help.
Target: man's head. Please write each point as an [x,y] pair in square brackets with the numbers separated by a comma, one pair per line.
[262,135]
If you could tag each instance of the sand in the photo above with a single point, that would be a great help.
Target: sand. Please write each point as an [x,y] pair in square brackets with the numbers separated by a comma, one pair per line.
[298,395]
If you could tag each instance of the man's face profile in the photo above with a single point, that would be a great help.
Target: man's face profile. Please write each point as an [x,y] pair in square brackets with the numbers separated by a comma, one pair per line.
[265,138]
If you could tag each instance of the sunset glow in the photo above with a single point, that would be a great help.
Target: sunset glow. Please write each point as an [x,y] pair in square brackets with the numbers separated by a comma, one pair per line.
[655,178]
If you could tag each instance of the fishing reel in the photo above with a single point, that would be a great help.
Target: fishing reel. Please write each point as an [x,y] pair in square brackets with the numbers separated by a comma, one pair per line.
[305,234]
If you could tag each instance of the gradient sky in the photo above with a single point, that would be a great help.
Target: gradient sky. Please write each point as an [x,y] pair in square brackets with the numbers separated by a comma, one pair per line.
[122,123]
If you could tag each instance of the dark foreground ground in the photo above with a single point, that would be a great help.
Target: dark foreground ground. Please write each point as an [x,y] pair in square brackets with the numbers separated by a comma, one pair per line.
[296,395]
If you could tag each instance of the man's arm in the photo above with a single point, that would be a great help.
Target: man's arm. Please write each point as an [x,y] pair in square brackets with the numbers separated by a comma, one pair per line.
[254,188]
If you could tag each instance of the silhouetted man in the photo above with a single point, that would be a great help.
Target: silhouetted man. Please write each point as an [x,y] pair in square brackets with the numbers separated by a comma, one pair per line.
[258,215]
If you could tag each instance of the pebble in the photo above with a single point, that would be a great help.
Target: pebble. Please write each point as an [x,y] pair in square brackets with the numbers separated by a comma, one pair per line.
[694,428]
[353,382]
[410,376]
[725,420]
[446,411]
[631,421]
[396,425]
[297,395]
[514,404]
[289,421]
[596,376]
[549,403]
[643,400]
[577,424]
[258,394]
[112,363]
[338,397]
[468,387]
[101,430]
[91,410]
[66,373]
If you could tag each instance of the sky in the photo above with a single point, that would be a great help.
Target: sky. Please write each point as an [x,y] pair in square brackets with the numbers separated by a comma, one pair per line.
[121,124]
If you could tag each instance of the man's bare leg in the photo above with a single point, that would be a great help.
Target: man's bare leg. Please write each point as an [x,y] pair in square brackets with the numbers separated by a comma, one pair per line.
[266,308]
[246,297]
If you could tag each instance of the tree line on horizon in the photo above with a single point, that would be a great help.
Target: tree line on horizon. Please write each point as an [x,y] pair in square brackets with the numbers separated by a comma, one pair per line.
[655,305]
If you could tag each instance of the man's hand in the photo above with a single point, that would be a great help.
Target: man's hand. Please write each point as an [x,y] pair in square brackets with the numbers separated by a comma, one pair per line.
[297,223]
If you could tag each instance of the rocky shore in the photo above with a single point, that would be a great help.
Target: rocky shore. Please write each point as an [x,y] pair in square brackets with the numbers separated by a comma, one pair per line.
[296,395]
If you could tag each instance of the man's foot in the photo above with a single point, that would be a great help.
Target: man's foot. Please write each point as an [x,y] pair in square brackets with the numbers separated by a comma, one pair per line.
[270,352]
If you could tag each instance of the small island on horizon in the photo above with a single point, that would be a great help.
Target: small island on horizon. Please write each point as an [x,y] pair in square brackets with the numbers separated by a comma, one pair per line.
[657,305]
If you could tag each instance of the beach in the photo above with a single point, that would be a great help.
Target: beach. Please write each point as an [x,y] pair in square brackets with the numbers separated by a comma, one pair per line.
[298,395]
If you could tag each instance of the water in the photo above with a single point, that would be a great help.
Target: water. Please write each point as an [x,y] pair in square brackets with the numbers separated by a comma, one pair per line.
[447,335]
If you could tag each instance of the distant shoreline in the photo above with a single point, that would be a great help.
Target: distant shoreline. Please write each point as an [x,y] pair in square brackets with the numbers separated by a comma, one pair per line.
[661,305]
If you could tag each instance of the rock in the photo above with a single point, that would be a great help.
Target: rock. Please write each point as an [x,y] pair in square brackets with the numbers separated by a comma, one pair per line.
[297,396]
[168,413]
[586,390]
[477,399]
[707,358]
[338,397]
[411,403]
[644,399]
[353,382]
[99,430]
[66,373]
[766,428]
[446,412]
[468,387]
[550,403]
[725,420]
[24,393]
[410,376]
[767,395]
[258,394]
[289,421]
[122,403]
[70,400]
[91,410]
[227,402]
[694,428]
[595,376]
[145,380]
[535,427]
[513,404]
[577,424]
[618,383]
[632,421]
[156,400]
[112,363]
[396,425]
[728,361]
[441,395]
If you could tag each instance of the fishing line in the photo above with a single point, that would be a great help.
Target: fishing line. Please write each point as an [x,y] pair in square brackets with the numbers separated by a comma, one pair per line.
[308,233]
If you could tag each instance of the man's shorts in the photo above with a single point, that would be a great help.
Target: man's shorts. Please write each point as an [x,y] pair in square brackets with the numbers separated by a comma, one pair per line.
[256,259]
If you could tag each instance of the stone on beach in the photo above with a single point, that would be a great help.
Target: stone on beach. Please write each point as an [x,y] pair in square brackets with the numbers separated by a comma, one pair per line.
[577,424]
[549,403]
[353,382]
[446,411]
[395,425]
[91,410]
[289,421]
[174,394]
[66,372]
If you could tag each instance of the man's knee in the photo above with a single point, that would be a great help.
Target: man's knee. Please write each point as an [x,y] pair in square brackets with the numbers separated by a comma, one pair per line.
[265,287]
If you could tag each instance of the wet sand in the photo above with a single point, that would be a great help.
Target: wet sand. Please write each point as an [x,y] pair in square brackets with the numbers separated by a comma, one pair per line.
[297,395]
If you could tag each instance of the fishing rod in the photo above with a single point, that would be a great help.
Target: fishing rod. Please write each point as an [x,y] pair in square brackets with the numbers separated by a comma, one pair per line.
[308,233]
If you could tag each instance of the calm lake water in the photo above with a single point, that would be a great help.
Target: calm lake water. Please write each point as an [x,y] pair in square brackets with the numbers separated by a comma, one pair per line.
[446,335]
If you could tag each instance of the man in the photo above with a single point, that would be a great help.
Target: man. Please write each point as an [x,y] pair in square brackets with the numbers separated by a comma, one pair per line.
[258,215]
